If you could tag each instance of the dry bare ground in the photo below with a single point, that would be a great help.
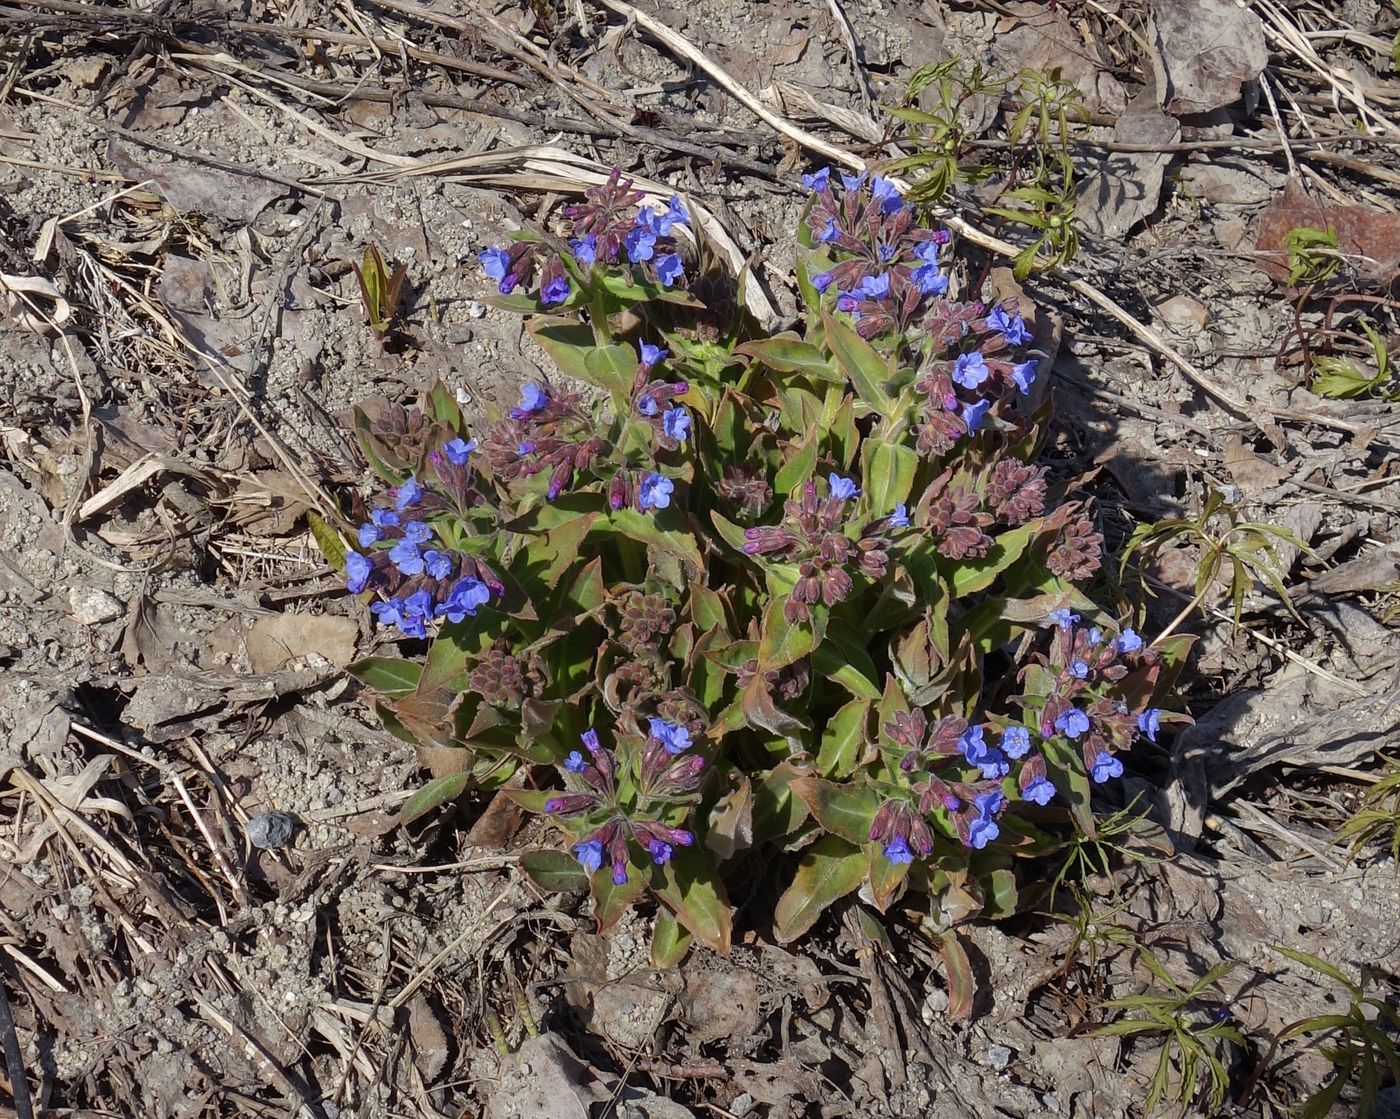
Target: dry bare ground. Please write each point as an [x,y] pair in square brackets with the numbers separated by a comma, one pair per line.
[182,189]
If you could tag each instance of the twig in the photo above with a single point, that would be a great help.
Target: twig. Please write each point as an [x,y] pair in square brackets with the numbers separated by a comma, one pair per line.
[14,1056]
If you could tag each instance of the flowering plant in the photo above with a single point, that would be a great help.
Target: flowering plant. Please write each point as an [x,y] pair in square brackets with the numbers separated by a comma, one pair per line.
[714,591]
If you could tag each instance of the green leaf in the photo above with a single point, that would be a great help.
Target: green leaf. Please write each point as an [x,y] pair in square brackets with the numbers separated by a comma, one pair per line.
[389,676]
[844,810]
[728,531]
[843,658]
[669,941]
[649,529]
[889,475]
[866,369]
[777,813]
[829,870]
[885,877]
[327,539]
[610,902]
[433,795]
[555,872]
[844,740]
[968,576]
[690,887]
[786,353]
[799,467]
[782,642]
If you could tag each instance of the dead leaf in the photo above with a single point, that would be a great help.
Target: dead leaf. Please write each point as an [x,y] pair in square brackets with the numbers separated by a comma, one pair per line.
[1209,49]
[1251,473]
[276,640]
[1044,39]
[191,188]
[1368,237]
[1127,187]
[430,1045]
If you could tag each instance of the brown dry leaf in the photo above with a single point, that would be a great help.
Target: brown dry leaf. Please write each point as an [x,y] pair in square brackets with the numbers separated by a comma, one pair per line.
[1044,39]
[1250,472]
[200,190]
[277,640]
[1127,188]
[720,1003]
[1369,237]
[1209,49]
[430,1045]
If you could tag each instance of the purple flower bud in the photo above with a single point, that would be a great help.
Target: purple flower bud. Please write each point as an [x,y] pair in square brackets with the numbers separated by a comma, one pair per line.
[589,738]
[618,491]
[619,874]
[660,852]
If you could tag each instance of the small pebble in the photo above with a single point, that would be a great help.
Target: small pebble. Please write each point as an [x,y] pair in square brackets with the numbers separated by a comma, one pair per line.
[268,830]
[741,1105]
[999,1057]
[476,309]
[91,606]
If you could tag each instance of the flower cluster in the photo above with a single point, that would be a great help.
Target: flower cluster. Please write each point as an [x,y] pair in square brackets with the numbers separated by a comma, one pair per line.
[618,801]
[422,581]
[609,227]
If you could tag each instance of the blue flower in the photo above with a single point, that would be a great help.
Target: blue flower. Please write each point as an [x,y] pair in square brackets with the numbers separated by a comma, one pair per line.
[655,491]
[585,248]
[619,874]
[369,533]
[874,287]
[1129,641]
[406,558]
[673,736]
[1095,635]
[389,612]
[526,448]
[852,182]
[1015,741]
[1150,722]
[822,280]
[676,424]
[383,517]
[1063,617]
[973,414]
[1013,326]
[533,398]
[556,291]
[467,596]
[675,214]
[641,243]
[897,851]
[406,496]
[819,180]
[1105,766]
[885,252]
[589,854]
[991,761]
[1072,723]
[417,532]
[574,763]
[900,517]
[989,803]
[417,609]
[669,269]
[458,449]
[929,279]
[970,370]
[357,571]
[650,354]
[1024,375]
[885,193]
[1039,790]
[495,263]
[828,232]
[589,738]
[1079,669]
[843,489]
[660,851]
[927,251]
[647,406]
[982,831]
[438,564]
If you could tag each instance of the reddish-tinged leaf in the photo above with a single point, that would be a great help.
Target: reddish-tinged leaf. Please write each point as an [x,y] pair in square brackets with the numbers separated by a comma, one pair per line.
[554,871]
[885,877]
[829,870]
[691,889]
[957,969]
[669,941]
[844,810]
[611,902]
[1367,237]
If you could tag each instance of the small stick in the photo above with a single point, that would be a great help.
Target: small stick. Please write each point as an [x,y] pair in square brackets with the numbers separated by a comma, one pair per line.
[14,1056]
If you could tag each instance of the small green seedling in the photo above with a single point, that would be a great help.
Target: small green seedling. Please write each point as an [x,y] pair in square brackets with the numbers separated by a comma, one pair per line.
[1195,1029]
[1340,377]
[1312,255]
[381,291]
[1378,817]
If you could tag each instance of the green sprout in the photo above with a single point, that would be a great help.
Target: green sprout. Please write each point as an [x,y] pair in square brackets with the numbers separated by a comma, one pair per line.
[1341,378]
[381,291]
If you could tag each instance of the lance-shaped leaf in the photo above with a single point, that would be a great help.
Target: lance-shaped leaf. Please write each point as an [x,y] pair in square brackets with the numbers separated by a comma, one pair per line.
[389,676]
[867,370]
[433,795]
[670,941]
[554,871]
[957,970]
[888,477]
[844,810]
[787,353]
[844,740]
[885,877]
[690,887]
[829,869]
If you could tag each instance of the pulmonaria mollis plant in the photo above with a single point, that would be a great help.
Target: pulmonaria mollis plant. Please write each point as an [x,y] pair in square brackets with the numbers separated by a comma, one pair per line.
[712,592]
